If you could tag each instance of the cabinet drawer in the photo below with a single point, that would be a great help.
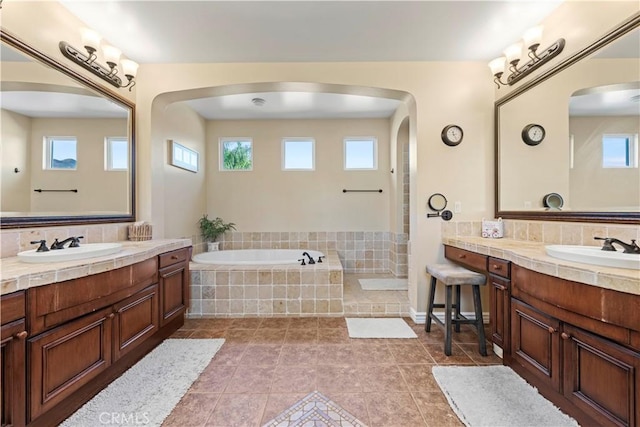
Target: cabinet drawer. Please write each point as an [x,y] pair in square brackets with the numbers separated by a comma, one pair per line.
[499,267]
[12,307]
[174,257]
[467,258]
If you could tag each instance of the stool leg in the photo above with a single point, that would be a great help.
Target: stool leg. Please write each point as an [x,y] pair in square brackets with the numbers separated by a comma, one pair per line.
[432,296]
[457,308]
[478,306]
[447,322]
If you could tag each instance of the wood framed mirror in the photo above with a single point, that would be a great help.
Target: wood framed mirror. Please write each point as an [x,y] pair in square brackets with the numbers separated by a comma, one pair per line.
[68,144]
[569,101]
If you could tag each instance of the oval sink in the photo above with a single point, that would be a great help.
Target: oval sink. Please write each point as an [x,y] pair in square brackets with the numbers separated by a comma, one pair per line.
[594,255]
[87,250]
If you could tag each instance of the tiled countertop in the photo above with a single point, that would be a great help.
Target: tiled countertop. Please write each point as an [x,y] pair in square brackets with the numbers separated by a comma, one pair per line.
[532,255]
[17,275]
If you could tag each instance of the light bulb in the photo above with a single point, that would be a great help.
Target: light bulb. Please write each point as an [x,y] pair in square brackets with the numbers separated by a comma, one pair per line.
[513,53]
[90,40]
[129,67]
[111,55]
[532,37]
[497,65]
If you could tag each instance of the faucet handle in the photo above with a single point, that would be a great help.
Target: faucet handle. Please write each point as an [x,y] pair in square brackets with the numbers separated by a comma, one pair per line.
[303,263]
[75,243]
[320,258]
[606,246]
[43,245]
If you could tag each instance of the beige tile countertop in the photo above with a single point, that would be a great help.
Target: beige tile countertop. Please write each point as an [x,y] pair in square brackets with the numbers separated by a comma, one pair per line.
[532,255]
[17,275]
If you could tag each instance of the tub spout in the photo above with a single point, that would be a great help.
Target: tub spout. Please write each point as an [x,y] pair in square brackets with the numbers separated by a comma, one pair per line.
[311,261]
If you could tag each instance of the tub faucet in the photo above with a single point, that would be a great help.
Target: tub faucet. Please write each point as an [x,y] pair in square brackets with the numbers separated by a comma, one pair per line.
[311,261]
[75,242]
[629,248]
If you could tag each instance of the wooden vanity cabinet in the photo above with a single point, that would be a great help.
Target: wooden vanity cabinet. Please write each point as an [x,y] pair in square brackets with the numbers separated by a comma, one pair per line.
[499,304]
[174,284]
[12,359]
[135,319]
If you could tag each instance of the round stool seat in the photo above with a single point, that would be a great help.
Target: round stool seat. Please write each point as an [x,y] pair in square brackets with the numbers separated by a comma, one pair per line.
[450,274]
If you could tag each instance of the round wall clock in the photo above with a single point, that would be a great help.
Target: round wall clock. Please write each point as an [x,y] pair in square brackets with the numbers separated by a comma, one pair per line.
[533,134]
[452,135]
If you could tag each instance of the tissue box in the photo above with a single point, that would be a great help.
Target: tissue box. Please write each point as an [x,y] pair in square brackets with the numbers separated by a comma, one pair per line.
[493,229]
[140,231]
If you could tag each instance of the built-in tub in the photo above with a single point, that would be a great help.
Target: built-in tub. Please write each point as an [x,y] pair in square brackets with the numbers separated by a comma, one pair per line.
[265,282]
[255,257]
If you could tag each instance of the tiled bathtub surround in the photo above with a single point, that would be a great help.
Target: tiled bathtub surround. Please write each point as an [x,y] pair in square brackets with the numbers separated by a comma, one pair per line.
[565,233]
[18,240]
[359,251]
[264,291]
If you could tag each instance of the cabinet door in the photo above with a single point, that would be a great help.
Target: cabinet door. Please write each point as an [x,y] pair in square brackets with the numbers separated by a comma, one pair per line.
[174,292]
[499,312]
[65,358]
[535,342]
[136,319]
[13,373]
[601,378]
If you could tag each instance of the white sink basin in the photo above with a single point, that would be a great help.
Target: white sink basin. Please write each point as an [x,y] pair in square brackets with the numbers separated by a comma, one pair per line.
[594,255]
[86,250]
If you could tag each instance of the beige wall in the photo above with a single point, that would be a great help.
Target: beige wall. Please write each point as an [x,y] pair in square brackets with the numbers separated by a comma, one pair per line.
[185,195]
[99,190]
[270,199]
[592,186]
[14,152]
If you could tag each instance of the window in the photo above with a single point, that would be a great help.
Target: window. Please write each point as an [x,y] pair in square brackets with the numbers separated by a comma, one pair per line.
[620,151]
[298,154]
[60,153]
[236,154]
[116,153]
[360,153]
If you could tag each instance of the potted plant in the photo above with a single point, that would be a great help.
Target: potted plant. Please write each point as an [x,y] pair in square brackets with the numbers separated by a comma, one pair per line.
[212,228]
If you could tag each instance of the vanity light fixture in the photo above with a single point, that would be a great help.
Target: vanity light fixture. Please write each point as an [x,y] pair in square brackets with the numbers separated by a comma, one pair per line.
[91,43]
[512,54]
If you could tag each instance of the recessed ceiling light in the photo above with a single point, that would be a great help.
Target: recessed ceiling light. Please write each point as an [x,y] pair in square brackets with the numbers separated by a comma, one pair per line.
[258,102]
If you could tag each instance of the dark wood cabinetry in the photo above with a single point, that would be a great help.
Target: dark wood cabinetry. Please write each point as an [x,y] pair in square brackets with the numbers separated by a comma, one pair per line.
[174,284]
[12,360]
[83,333]
[499,303]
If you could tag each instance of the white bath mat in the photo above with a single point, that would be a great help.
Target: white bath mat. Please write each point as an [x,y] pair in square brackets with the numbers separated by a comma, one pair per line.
[364,327]
[389,284]
[148,391]
[496,396]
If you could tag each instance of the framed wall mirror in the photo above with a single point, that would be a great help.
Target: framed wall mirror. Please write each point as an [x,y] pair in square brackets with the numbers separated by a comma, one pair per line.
[589,106]
[68,146]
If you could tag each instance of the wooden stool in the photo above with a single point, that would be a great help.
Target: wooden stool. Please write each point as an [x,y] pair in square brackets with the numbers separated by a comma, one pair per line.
[453,276]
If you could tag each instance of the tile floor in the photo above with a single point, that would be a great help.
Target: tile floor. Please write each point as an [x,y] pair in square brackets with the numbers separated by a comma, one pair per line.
[266,365]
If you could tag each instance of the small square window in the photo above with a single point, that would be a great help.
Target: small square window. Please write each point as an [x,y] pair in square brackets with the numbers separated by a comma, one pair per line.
[619,151]
[236,154]
[298,154]
[60,153]
[360,153]
[117,153]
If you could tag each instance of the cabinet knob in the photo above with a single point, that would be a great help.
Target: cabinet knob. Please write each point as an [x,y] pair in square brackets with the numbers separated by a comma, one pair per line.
[565,336]
[110,316]
[462,256]
[174,257]
[21,335]
[552,330]
[497,267]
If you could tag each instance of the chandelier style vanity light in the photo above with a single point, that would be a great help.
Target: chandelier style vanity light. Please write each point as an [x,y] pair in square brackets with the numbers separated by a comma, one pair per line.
[512,54]
[91,42]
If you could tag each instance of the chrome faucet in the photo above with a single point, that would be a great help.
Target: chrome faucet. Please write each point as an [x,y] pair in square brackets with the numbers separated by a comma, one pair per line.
[311,261]
[75,242]
[629,248]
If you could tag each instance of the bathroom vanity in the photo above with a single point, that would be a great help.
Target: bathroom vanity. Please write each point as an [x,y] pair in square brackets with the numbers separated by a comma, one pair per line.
[571,330]
[73,327]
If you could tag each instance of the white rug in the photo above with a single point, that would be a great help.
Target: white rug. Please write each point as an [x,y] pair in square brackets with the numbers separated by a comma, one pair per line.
[389,284]
[365,327]
[148,391]
[496,396]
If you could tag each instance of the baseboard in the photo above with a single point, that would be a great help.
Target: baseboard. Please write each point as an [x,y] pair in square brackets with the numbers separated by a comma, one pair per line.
[417,317]
[421,317]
